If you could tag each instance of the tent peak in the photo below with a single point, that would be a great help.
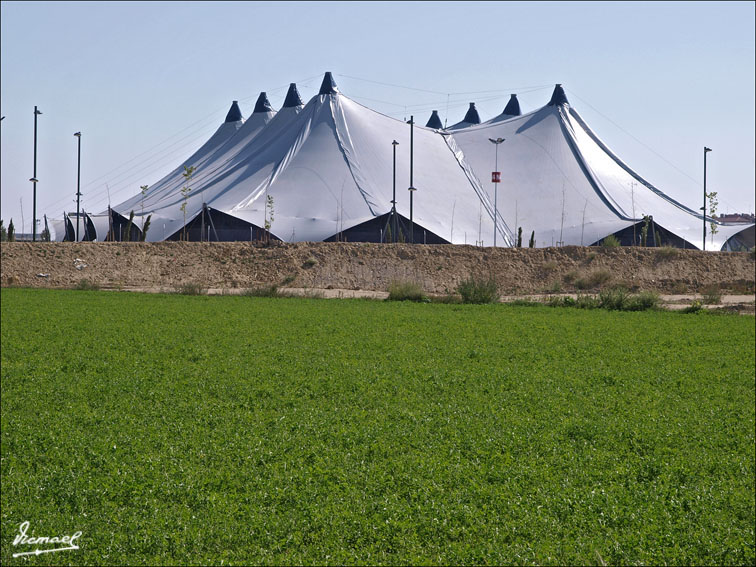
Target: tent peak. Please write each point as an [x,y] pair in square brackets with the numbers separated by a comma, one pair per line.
[513,106]
[263,104]
[472,116]
[292,97]
[234,113]
[328,86]
[434,121]
[558,97]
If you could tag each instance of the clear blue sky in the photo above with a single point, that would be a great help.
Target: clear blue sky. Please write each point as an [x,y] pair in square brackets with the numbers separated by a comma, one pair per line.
[148,83]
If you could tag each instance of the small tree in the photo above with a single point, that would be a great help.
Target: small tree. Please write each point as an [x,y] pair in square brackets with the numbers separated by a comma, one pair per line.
[644,230]
[531,244]
[11,232]
[519,237]
[268,215]
[3,232]
[145,228]
[127,236]
[713,202]
[188,172]
[144,191]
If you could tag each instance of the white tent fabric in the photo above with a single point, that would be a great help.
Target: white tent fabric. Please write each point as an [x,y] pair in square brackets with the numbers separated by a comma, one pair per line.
[327,166]
[561,181]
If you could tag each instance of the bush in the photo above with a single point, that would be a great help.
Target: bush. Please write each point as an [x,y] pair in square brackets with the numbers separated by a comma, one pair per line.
[190,288]
[613,299]
[610,241]
[594,279]
[643,301]
[309,263]
[666,252]
[711,294]
[478,290]
[86,285]
[262,291]
[694,307]
[405,291]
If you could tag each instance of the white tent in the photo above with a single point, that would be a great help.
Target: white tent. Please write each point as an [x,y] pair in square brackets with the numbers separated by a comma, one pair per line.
[325,171]
[561,181]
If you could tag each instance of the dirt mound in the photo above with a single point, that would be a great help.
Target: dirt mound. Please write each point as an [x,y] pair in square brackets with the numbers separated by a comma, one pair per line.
[366,266]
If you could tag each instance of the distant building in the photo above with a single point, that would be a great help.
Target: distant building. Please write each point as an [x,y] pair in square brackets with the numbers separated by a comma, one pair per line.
[737,217]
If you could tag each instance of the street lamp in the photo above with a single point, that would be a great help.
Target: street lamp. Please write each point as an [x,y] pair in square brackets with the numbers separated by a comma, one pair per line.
[706,151]
[496,179]
[412,187]
[78,185]
[34,179]
[393,201]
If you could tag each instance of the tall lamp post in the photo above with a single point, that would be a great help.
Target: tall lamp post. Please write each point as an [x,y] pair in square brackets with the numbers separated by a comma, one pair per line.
[412,188]
[34,179]
[496,179]
[393,201]
[78,185]
[706,151]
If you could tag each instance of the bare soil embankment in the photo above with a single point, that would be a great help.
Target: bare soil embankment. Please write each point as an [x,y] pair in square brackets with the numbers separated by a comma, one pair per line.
[365,266]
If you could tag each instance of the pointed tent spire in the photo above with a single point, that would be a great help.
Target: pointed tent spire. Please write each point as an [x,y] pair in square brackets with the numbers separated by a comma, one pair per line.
[263,104]
[292,97]
[513,107]
[558,97]
[472,116]
[434,121]
[328,86]
[234,113]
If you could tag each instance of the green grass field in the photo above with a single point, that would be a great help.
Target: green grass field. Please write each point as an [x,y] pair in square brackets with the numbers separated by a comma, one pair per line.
[173,429]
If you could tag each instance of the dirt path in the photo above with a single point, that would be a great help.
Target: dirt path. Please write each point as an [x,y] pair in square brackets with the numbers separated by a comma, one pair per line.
[329,266]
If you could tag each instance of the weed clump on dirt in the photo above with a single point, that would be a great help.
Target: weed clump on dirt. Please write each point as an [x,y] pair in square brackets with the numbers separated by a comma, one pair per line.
[479,290]
[262,291]
[405,291]
[86,285]
[190,288]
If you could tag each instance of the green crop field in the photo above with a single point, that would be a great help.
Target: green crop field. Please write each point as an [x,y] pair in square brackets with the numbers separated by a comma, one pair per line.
[173,429]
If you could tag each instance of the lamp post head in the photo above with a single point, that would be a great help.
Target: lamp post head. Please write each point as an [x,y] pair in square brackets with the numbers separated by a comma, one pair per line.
[37,111]
[412,188]
[496,141]
[33,179]
[706,149]
[394,143]
[77,134]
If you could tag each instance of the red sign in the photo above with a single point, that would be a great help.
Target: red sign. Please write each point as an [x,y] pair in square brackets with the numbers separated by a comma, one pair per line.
[496,176]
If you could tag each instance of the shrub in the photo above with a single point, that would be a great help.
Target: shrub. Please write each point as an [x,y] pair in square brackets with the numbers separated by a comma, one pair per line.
[666,252]
[610,241]
[642,301]
[594,279]
[586,302]
[190,288]
[288,279]
[679,288]
[405,291]
[479,290]
[613,299]
[711,294]
[570,277]
[86,285]
[310,262]
[262,291]
[694,307]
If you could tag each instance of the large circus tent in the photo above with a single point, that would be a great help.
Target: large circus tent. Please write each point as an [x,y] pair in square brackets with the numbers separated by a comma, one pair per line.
[333,169]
